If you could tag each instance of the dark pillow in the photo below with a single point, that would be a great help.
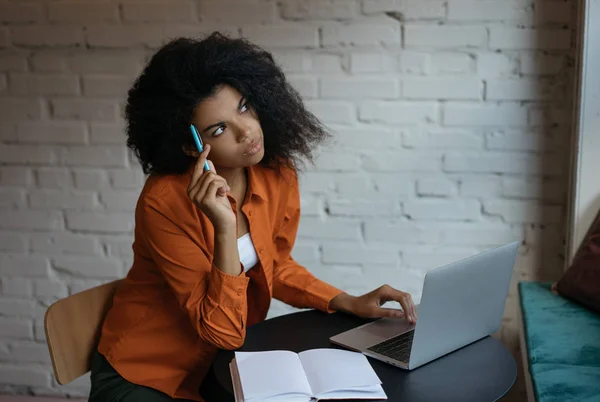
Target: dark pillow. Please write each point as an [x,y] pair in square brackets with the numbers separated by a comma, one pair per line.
[581,282]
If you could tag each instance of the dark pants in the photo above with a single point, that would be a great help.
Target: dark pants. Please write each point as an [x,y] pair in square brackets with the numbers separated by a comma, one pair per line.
[109,386]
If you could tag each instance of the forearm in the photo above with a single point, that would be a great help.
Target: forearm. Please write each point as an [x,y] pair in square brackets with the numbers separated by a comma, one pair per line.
[294,285]
[223,314]
[226,256]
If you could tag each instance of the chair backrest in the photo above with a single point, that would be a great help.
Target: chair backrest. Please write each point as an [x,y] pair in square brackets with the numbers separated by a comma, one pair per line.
[73,327]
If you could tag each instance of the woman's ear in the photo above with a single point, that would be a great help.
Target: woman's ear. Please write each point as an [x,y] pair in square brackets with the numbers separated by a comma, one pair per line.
[191,152]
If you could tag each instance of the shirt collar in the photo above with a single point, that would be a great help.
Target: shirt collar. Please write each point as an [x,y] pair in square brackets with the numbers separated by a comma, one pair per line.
[256,183]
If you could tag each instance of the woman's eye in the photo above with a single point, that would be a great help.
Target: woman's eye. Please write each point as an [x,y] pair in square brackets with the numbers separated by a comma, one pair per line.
[219,131]
[244,108]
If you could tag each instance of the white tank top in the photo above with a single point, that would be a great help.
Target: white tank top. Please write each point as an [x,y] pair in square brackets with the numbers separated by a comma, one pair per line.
[248,256]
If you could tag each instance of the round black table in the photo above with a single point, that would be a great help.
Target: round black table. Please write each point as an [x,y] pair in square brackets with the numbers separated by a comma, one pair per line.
[480,372]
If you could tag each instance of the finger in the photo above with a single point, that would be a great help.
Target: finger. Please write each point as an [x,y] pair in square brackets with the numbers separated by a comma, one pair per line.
[202,182]
[405,301]
[205,181]
[199,168]
[208,197]
[408,302]
[221,184]
[410,306]
[222,191]
[204,189]
[414,309]
[388,312]
[211,191]
[225,187]
[212,167]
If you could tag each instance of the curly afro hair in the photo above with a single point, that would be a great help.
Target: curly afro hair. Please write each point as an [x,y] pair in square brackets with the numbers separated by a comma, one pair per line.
[186,71]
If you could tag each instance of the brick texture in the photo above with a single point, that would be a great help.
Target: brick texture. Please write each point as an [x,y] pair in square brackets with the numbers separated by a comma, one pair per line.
[450,122]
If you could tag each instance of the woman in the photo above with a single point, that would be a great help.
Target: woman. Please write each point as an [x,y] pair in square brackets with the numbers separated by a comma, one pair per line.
[212,247]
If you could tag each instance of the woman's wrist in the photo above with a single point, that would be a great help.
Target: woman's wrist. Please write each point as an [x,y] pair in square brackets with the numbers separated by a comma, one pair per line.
[343,302]
[225,228]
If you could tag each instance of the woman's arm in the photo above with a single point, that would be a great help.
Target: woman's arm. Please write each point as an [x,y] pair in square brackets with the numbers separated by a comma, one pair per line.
[292,283]
[211,292]
[296,286]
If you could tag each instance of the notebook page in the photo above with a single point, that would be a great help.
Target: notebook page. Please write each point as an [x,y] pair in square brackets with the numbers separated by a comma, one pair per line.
[239,396]
[266,374]
[370,392]
[284,398]
[335,370]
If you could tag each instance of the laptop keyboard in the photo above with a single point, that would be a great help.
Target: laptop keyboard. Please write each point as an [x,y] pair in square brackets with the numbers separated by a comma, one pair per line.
[398,347]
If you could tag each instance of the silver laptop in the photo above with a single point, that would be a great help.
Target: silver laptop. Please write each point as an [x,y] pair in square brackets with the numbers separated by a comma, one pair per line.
[461,303]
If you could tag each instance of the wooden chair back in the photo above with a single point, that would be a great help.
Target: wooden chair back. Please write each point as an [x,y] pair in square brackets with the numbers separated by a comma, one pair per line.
[73,326]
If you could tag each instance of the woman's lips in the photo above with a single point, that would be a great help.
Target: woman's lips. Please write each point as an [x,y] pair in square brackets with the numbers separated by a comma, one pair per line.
[253,148]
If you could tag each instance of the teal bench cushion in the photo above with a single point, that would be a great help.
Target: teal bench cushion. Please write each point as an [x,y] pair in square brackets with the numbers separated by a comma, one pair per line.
[563,345]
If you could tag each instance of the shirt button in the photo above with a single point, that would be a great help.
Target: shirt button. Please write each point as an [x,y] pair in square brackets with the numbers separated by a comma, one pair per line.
[239,292]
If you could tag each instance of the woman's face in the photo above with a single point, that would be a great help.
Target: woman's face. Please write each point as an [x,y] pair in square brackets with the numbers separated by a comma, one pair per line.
[231,127]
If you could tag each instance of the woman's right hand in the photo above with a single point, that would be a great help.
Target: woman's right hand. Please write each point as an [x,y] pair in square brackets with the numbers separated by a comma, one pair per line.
[209,192]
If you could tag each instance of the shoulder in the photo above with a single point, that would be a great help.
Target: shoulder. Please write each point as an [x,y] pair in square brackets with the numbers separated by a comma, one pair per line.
[276,182]
[165,191]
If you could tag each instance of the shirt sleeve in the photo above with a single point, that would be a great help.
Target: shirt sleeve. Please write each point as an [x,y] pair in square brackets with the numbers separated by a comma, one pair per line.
[292,283]
[214,301]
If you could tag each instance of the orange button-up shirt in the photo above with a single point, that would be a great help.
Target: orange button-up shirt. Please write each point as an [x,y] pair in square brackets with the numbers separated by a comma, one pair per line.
[175,309]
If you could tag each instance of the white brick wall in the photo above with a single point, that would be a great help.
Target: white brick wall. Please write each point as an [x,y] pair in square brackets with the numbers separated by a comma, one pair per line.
[451,121]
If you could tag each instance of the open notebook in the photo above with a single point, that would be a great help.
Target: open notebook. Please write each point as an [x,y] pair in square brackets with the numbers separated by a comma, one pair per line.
[279,375]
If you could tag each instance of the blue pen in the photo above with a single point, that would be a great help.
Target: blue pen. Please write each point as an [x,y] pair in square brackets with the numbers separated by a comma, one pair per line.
[198,144]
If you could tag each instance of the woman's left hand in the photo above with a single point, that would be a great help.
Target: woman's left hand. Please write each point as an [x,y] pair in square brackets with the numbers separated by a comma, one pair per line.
[369,304]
